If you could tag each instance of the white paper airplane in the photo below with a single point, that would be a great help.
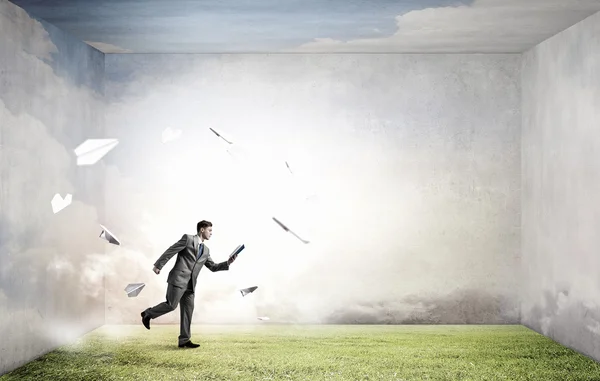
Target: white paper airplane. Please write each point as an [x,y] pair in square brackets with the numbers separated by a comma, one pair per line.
[288,230]
[263,318]
[58,203]
[169,135]
[248,290]
[134,289]
[219,135]
[92,150]
[110,237]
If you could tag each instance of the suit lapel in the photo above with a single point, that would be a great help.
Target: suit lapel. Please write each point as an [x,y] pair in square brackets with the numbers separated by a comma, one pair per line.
[196,244]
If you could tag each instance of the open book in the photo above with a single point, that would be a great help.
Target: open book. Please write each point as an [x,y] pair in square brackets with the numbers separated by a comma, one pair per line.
[237,250]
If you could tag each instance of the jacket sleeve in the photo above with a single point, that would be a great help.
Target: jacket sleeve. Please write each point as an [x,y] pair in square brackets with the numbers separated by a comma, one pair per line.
[212,266]
[171,251]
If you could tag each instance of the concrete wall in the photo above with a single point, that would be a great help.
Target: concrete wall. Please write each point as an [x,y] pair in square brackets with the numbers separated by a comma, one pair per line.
[51,280]
[561,188]
[414,160]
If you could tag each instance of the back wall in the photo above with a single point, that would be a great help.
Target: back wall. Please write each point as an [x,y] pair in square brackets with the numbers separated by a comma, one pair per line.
[403,172]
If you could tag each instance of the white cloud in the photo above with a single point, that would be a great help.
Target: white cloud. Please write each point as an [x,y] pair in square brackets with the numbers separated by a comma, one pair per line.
[29,85]
[18,29]
[488,26]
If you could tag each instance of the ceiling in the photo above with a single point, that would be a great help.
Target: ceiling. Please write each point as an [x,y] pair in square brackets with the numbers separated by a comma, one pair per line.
[316,26]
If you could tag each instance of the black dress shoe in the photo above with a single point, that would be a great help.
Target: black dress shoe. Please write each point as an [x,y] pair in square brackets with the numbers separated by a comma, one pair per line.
[189,344]
[145,320]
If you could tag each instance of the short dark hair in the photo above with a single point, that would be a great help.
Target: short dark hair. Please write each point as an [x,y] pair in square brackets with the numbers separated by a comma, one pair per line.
[202,224]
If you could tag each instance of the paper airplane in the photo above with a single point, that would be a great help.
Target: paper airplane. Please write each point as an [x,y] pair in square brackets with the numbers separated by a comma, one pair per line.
[92,150]
[58,203]
[169,135]
[288,230]
[263,318]
[134,289]
[288,167]
[216,133]
[248,290]
[110,237]
[237,250]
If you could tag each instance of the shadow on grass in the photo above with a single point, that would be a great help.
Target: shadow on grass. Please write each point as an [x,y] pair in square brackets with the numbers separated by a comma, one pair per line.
[170,347]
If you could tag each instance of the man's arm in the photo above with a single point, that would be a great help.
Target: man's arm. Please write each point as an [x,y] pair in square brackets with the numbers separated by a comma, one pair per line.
[212,266]
[170,252]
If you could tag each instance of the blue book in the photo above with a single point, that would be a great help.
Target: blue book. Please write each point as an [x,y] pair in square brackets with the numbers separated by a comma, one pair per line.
[237,250]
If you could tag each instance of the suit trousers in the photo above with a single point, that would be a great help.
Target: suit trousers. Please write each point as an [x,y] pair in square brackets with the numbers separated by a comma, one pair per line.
[184,297]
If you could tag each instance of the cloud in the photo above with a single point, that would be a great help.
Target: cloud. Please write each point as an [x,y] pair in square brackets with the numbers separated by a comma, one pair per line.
[50,275]
[572,318]
[29,84]
[488,26]
[58,247]
[18,29]
[464,306]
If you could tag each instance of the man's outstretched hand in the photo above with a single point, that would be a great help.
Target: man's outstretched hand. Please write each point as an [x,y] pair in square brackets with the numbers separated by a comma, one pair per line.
[156,270]
[232,259]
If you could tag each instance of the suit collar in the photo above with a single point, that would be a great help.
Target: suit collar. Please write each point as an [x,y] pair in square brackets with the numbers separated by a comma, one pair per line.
[196,244]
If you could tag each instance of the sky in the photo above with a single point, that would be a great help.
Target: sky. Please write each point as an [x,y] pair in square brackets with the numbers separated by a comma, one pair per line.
[381,26]
[211,26]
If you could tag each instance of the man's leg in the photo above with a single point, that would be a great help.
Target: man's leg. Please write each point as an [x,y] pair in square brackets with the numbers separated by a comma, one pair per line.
[186,308]
[173,297]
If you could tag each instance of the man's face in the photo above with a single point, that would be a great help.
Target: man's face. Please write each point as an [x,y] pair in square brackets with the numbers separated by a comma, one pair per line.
[205,233]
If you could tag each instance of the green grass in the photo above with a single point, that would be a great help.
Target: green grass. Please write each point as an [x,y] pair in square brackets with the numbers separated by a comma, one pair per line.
[280,352]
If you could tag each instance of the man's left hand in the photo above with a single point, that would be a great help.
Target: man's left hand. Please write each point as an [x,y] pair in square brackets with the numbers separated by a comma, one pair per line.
[232,259]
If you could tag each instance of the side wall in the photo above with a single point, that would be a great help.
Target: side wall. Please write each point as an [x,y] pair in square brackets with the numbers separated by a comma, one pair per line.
[561,187]
[414,161]
[51,276]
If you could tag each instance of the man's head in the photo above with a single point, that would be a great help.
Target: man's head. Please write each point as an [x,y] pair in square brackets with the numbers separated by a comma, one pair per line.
[204,229]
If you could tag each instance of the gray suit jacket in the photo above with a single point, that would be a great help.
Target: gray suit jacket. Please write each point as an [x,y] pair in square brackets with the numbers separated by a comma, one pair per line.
[186,266]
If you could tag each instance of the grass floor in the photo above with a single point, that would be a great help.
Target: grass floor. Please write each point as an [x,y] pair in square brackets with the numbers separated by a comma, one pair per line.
[280,352]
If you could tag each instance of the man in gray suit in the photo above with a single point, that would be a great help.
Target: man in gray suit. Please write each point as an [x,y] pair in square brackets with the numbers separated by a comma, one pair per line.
[192,254]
